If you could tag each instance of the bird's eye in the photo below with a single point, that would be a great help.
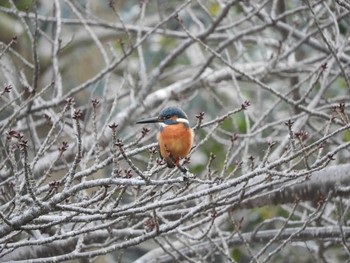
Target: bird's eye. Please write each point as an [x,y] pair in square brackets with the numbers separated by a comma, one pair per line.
[168,116]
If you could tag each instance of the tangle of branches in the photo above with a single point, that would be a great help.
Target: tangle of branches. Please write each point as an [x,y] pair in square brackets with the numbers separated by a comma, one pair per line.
[266,86]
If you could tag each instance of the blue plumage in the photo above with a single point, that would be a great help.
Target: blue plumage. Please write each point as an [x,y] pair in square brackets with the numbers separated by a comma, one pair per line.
[171,111]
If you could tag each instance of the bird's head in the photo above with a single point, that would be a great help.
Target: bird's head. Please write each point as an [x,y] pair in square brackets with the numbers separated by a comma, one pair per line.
[168,116]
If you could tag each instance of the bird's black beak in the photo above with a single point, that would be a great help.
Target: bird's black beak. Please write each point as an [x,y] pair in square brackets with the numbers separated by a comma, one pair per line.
[149,120]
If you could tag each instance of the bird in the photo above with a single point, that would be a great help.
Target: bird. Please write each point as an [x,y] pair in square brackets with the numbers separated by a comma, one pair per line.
[175,136]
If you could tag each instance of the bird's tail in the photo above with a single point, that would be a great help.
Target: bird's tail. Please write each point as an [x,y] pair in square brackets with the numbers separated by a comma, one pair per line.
[171,161]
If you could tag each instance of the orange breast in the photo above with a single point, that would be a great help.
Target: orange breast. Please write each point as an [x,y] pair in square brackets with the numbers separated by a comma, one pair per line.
[175,139]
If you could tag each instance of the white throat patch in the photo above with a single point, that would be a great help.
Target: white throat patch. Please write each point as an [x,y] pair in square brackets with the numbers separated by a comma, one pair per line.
[182,120]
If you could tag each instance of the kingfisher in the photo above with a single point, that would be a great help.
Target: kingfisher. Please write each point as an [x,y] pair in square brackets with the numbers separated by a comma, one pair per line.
[175,136]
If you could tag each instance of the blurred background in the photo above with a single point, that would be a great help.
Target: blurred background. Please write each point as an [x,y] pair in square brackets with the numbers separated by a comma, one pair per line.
[259,81]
